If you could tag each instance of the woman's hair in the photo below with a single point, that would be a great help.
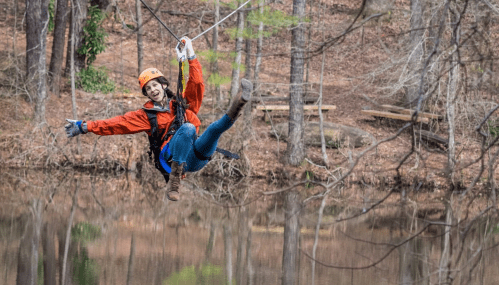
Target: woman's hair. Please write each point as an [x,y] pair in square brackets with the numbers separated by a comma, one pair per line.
[161,80]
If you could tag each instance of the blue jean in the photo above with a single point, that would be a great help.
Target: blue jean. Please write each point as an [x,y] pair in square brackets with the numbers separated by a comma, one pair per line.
[183,143]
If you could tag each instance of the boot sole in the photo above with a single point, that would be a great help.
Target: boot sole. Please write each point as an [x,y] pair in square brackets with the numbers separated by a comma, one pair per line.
[247,87]
[172,199]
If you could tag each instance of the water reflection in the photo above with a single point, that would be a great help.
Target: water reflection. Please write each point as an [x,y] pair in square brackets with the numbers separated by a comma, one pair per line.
[79,228]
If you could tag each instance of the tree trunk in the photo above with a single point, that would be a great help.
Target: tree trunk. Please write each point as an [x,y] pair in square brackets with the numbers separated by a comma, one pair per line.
[37,20]
[446,254]
[316,238]
[214,66]
[247,49]
[259,44]
[14,31]
[248,107]
[234,85]
[321,119]
[77,22]
[412,264]
[291,238]
[309,35]
[295,146]
[228,253]
[241,244]
[61,237]
[249,262]
[49,260]
[211,242]
[129,276]
[61,18]
[452,90]
[71,49]
[27,269]
[416,52]
[65,276]
[140,44]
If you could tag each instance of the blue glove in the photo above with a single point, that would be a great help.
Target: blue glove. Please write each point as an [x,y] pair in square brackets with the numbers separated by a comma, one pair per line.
[75,128]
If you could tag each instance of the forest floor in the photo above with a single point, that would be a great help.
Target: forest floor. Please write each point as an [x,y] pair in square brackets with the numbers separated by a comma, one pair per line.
[347,70]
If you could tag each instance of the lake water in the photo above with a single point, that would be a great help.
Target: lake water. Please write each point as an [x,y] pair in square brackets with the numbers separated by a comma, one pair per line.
[123,231]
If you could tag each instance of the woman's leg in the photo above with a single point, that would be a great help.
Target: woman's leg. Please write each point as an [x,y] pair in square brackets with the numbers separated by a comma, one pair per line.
[182,142]
[206,144]
[180,146]
[195,153]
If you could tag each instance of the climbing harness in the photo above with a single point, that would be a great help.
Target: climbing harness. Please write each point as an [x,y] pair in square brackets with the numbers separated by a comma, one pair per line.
[155,142]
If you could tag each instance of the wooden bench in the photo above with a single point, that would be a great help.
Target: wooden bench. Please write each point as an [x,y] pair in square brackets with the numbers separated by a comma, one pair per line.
[410,112]
[264,99]
[269,108]
[399,113]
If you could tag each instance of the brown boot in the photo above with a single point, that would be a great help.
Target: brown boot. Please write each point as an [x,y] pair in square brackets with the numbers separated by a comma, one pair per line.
[240,99]
[173,194]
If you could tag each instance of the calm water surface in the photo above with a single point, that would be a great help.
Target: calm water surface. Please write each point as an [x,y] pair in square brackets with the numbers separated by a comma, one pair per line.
[122,231]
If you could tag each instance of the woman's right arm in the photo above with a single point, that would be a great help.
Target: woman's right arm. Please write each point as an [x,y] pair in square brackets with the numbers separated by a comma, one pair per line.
[129,123]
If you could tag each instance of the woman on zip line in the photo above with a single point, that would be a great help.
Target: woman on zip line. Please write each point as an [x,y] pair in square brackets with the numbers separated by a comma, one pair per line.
[171,121]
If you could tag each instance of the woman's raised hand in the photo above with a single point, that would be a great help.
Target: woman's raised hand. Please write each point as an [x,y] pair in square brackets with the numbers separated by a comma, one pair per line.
[188,48]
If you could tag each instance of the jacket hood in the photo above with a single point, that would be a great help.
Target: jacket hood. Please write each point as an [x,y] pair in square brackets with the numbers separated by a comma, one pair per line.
[152,106]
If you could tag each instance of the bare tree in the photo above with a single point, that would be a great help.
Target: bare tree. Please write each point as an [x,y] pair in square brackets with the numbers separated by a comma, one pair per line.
[76,34]
[140,44]
[291,237]
[241,243]
[131,261]
[67,239]
[296,146]
[28,248]
[321,117]
[214,65]
[416,50]
[37,20]
[72,71]
[259,44]
[452,90]
[234,84]
[228,252]
[247,74]
[49,260]
[60,23]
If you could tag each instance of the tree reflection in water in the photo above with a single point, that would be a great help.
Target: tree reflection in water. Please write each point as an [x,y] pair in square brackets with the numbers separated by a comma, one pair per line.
[124,232]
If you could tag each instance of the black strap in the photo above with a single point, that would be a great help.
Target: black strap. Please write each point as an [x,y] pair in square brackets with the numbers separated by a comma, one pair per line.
[225,152]
[155,142]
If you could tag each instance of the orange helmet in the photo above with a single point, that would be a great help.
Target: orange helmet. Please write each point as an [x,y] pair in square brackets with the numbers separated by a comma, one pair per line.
[149,74]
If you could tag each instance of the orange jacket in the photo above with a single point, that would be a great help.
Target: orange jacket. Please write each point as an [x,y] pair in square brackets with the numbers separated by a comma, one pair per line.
[136,121]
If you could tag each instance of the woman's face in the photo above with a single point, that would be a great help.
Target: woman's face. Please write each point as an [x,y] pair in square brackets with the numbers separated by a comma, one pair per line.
[155,91]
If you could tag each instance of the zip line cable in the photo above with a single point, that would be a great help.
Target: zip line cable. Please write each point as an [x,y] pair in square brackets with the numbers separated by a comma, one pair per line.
[218,23]
[164,25]
[175,36]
